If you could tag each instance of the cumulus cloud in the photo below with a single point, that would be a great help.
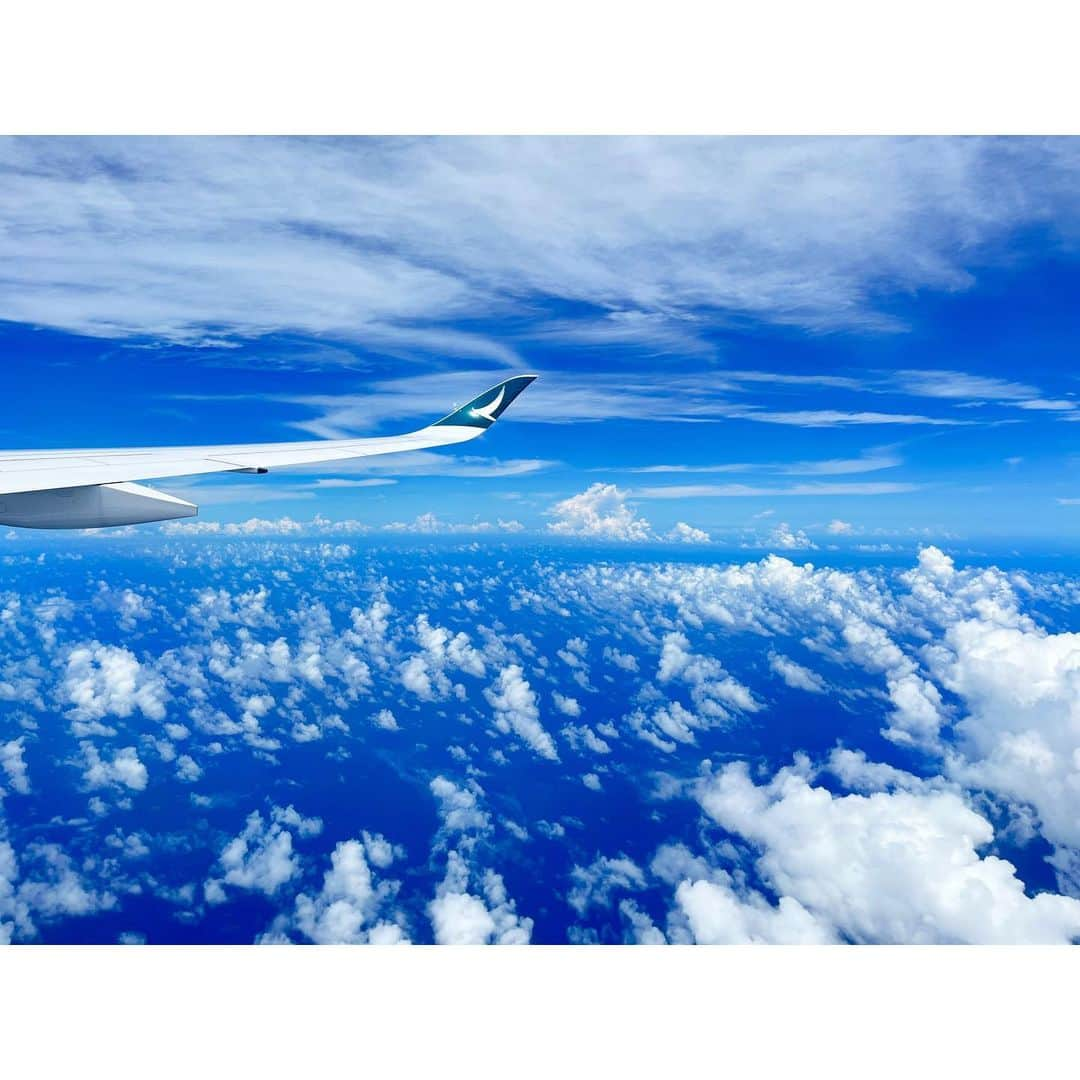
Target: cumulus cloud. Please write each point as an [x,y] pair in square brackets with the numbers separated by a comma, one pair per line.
[459,807]
[346,910]
[460,917]
[425,674]
[514,706]
[599,513]
[593,885]
[687,534]
[967,669]
[899,867]
[846,617]
[795,675]
[12,912]
[14,767]
[386,720]
[123,770]
[106,680]
[1020,687]
[715,695]
[568,706]
[717,915]
[623,661]
[786,539]
[283,526]
[261,858]
[429,524]
[51,888]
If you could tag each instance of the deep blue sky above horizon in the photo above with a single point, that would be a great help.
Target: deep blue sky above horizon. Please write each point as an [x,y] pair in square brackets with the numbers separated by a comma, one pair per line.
[869,342]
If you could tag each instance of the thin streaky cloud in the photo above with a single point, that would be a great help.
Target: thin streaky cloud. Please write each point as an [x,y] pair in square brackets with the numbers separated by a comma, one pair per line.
[736,491]
[823,418]
[561,397]
[1045,405]
[827,467]
[935,383]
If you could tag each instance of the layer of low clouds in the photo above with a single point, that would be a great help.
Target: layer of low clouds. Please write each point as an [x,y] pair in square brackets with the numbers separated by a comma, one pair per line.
[599,676]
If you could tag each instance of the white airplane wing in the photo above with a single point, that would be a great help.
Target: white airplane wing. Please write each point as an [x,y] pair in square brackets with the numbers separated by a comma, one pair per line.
[79,489]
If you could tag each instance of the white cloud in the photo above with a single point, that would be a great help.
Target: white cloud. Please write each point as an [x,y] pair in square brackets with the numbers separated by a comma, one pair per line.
[125,769]
[12,912]
[1021,688]
[795,675]
[283,526]
[898,867]
[975,388]
[623,661]
[717,915]
[385,719]
[345,911]
[714,693]
[832,418]
[426,673]
[785,539]
[870,461]
[687,534]
[642,929]
[856,773]
[568,706]
[429,524]
[836,527]
[754,491]
[515,710]
[387,242]
[581,736]
[845,616]
[459,917]
[52,888]
[14,767]
[188,770]
[599,513]
[460,807]
[415,462]
[217,607]
[262,857]
[106,680]
[593,885]
[713,690]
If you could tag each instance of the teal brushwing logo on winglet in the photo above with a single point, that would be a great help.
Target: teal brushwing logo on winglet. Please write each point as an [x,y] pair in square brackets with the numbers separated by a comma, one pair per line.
[484,410]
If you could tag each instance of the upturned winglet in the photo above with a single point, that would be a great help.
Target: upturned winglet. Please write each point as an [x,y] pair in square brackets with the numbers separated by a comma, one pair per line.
[484,410]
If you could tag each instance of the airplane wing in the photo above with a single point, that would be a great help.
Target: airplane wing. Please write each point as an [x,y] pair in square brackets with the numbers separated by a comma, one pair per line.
[78,489]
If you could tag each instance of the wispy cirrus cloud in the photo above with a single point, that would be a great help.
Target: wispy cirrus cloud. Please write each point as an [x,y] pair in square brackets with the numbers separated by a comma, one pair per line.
[736,491]
[564,397]
[400,244]
[827,418]
[869,462]
[428,463]
[972,389]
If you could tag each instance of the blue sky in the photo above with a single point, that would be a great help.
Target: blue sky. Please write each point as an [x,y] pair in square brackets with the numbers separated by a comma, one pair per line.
[868,341]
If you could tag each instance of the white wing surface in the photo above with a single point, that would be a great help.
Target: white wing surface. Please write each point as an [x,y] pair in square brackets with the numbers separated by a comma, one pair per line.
[91,488]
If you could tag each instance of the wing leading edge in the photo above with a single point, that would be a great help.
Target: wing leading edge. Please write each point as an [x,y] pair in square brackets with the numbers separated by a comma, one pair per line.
[69,488]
